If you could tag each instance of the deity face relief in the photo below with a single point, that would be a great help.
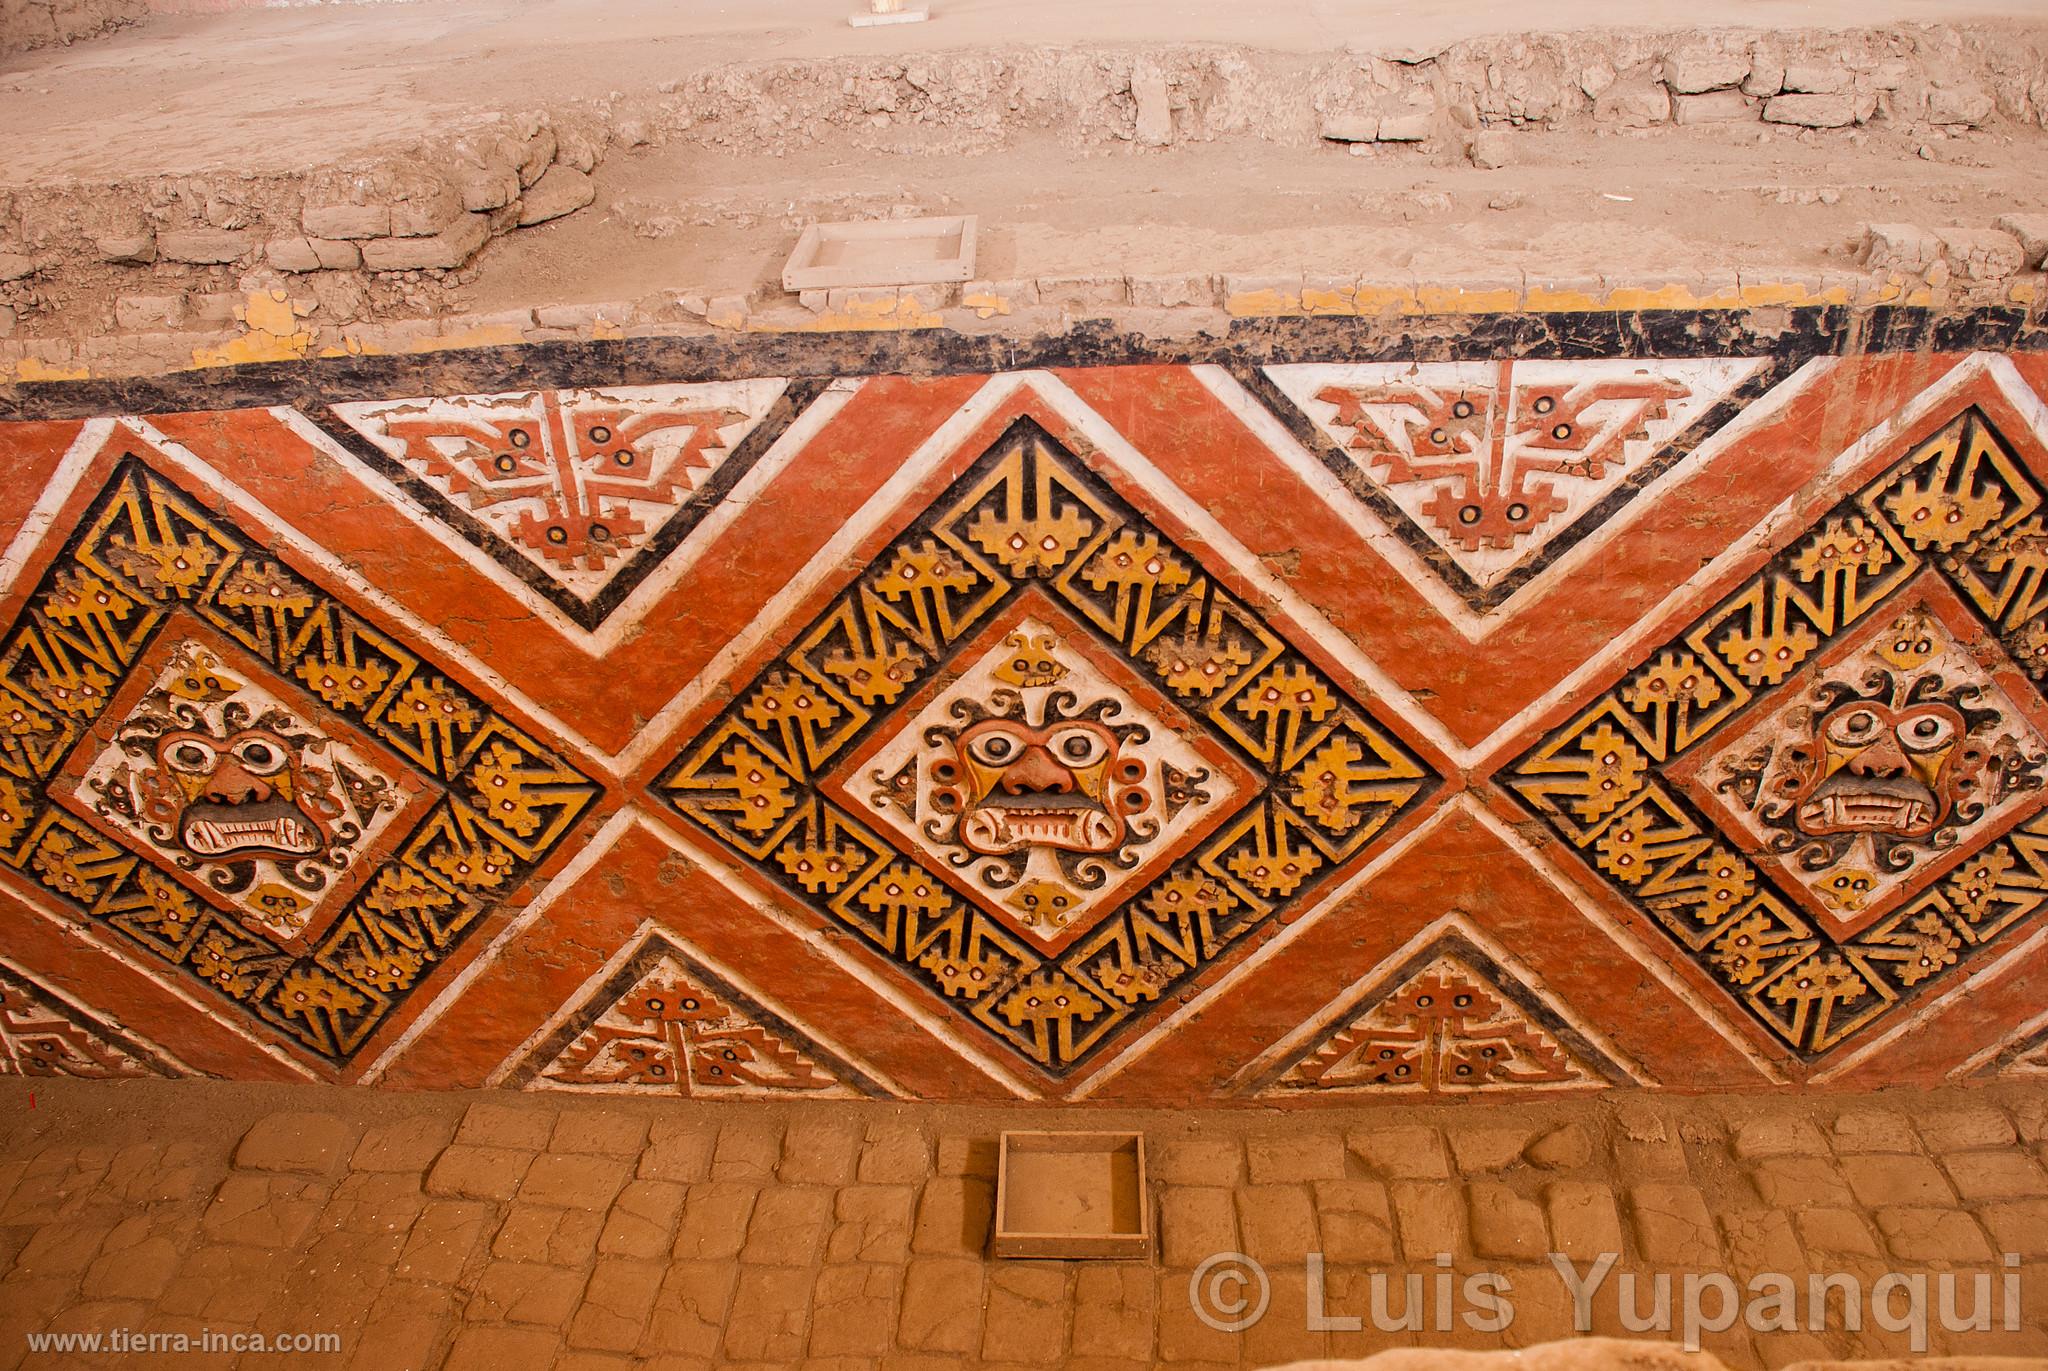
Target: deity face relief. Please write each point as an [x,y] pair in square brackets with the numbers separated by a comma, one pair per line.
[1061,785]
[1893,755]
[233,796]
[1902,750]
[1874,768]
[235,787]
[1041,782]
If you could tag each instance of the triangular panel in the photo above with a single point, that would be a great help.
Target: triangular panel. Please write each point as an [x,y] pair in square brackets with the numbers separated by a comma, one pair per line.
[1448,1021]
[41,1034]
[1493,469]
[663,1024]
[577,493]
[2025,1056]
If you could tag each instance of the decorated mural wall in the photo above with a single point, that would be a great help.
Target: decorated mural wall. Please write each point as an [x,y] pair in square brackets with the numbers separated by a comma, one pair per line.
[1327,713]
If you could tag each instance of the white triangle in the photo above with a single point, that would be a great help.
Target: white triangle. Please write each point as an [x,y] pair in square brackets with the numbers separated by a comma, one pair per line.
[1449,1022]
[560,470]
[674,1032]
[1492,461]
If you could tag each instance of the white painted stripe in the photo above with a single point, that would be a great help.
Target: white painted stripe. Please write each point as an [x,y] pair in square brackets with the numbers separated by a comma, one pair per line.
[830,561]
[1474,626]
[1983,1057]
[1959,988]
[594,851]
[626,619]
[1253,572]
[1364,520]
[43,514]
[162,974]
[102,1023]
[1461,804]
[577,998]
[1628,942]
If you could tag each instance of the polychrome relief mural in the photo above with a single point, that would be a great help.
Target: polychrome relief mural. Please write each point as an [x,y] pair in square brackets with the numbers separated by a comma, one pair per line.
[1323,713]
[304,851]
[1084,850]
[1884,759]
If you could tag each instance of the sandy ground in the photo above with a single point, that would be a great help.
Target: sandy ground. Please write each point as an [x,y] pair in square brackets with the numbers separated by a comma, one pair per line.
[1572,204]
[735,154]
[266,88]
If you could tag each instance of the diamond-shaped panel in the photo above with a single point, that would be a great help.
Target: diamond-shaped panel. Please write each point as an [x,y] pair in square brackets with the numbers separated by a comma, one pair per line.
[1827,788]
[1038,781]
[230,778]
[1033,548]
[1877,766]
[220,764]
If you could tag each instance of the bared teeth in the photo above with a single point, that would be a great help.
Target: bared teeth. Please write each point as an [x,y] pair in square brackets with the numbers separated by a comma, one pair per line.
[1873,810]
[212,837]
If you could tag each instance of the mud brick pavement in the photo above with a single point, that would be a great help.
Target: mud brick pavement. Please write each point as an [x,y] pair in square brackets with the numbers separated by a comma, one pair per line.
[475,1232]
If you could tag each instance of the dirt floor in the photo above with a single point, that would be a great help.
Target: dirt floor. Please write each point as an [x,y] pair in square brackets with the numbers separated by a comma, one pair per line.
[1094,141]
[188,92]
[489,1229]
[1575,204]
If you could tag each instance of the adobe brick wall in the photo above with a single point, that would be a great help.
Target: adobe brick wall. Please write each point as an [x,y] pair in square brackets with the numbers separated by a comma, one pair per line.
[29,24]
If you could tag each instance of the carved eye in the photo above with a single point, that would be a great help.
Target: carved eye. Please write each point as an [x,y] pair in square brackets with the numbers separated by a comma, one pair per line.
[260,755]
[1079,746]
[1857,728]
[190,756]
[996,749]
[1926,732]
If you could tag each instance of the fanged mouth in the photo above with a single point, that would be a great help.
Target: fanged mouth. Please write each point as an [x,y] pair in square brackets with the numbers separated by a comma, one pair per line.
[1862,809]
[1006,824]
[214,830]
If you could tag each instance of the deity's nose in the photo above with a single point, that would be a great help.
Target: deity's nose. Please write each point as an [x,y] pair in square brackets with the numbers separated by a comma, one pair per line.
[1036,773]
[1882,758]
[230,784]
